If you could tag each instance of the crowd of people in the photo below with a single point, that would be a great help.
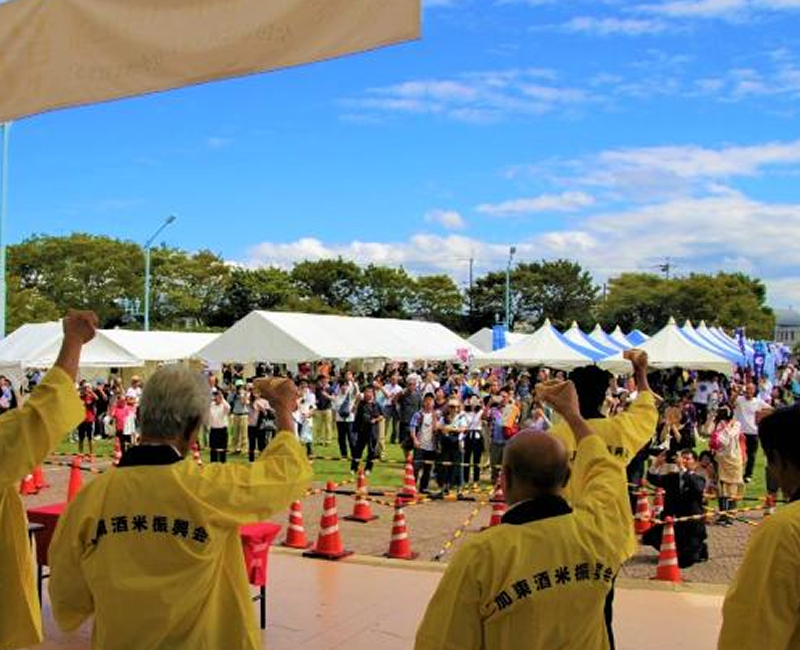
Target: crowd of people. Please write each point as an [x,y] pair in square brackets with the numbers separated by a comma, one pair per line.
[570,451]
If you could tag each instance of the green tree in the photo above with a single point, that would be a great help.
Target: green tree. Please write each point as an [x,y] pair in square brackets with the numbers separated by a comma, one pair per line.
[28,306]
[438,298]
[247,290]
[646,301]
[336,282]
[81,271]
[385,292]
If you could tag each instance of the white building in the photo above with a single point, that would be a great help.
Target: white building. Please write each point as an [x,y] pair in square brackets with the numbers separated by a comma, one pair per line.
[787,326]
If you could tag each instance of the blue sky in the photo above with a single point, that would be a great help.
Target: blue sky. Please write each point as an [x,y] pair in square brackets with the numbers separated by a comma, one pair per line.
[612,132]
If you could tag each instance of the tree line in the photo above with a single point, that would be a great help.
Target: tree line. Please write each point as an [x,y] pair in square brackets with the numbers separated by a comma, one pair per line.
[199,290]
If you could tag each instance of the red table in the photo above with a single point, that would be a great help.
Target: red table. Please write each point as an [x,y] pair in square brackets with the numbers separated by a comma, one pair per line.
[256,540]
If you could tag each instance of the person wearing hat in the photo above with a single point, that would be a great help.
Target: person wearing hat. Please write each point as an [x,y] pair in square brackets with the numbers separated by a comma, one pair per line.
[27,435]
[239,400]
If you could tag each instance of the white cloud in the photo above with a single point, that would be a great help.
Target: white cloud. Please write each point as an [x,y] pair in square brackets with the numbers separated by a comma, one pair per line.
[476,97]
[724,233]
[449,219]
[216,142]
[724,9]
[613,26]
[564,202]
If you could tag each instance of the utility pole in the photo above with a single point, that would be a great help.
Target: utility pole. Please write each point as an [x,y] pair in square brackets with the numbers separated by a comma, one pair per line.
[666,268]
[471,266]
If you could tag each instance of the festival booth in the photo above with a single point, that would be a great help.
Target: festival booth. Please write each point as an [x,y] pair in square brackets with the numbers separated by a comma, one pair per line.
[545,347]
[734,356]
[620,339]
[671,348]
[637,337]
[577,336]
[483,339]
[599,335]
[35,347]
[292,338]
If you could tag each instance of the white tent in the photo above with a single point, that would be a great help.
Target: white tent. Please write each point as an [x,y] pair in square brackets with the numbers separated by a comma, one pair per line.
[286,337]
[619,338]
[545,347]
[670,348]
[160,347]
[696,336]
[37,345]
[577,336]
[599,335]
[637,337]
[483,339]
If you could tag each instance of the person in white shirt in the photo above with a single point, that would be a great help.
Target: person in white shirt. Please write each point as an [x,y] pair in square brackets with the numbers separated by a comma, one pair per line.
[747,406]
[218,420]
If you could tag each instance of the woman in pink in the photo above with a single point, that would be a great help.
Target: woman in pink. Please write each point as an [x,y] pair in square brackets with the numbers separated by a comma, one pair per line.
[123,408]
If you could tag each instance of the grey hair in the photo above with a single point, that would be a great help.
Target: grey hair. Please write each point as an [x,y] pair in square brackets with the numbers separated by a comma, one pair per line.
[174,403]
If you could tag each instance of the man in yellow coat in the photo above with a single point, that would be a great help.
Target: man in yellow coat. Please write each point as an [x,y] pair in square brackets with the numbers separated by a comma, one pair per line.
[152,547]
[762,607]
[27,435]
[540,579]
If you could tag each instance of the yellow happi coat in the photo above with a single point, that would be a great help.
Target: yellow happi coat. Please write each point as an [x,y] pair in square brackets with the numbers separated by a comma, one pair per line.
[27,435]
[153,551]
[538,585]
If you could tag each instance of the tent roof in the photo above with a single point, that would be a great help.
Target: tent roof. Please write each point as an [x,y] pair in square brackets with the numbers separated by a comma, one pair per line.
[483,339]
[599,335]
[577,336]
[671,348]
[618,337]
[36,345]
[637,337]
[702,339]
[545,347]
[160,346]
[289,337]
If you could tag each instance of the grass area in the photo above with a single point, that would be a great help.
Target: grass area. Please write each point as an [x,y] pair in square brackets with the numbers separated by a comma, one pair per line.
[327,467]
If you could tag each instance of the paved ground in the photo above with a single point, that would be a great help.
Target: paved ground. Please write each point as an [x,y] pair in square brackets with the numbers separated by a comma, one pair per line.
[317,605]
[432,524]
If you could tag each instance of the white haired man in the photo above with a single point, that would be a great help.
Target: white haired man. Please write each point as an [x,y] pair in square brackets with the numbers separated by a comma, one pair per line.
[152,548]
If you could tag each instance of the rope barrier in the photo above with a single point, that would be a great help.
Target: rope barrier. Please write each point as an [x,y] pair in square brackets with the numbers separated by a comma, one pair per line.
[459,532]
[709,513]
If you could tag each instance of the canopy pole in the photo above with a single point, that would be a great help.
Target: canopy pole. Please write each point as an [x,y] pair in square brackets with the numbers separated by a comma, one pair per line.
[5,137]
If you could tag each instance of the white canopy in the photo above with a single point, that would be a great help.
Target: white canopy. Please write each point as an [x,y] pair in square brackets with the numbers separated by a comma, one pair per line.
[159,346]
[620,339]
[483,339]
[37,345]
[545,347]
[599,335]
[670,348]
[696,336]
[577,336]
[286,337]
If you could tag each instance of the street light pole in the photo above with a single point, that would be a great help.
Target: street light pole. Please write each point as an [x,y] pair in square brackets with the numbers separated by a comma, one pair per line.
[511,252]
[147,246]
[5,136]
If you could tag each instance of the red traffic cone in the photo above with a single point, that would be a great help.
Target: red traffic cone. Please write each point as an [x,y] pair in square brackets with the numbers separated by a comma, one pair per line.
[361,508]
[409,490]
[400,545]
[28,486]
[668,556]
[117,452]
[74,478]
[498,501]
[641,523]
[295,531]
[38,478]
[196,454]
[329,542]
[658,503]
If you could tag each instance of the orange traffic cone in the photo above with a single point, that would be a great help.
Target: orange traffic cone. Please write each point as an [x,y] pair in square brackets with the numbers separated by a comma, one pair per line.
[361,509]
[38,478]
[329,543]
[295,531]
[409,490]
[117,452]
[769,505]
[498,501]
[27,486]
[668,556]
[400,546]
[641,523]
[196,454]
[658,503]
[74,478]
